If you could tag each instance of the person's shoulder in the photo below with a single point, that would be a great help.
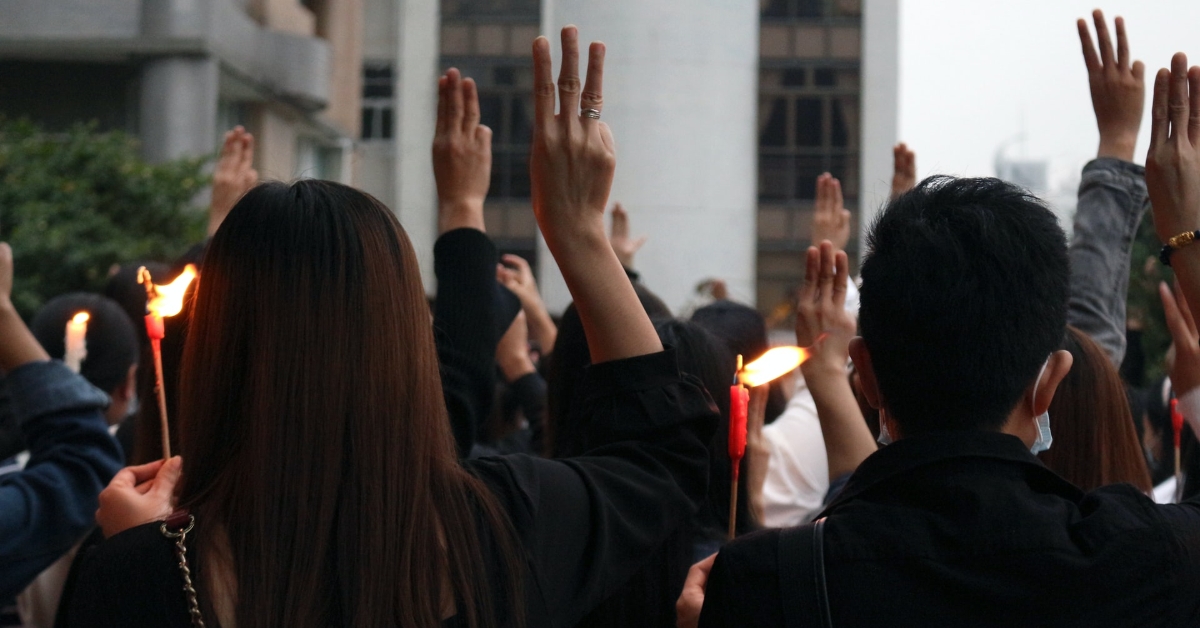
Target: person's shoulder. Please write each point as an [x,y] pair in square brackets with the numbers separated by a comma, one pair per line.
[753,555]
[743,587]
[131,579]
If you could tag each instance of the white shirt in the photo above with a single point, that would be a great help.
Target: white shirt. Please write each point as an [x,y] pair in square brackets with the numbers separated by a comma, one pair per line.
[798,467]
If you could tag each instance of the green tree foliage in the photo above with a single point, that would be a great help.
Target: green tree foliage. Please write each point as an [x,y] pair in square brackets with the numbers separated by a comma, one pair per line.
[73,204]
[1143,304]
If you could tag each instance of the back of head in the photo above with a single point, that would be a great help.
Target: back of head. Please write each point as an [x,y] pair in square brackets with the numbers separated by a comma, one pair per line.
[741,327]
[1095,440]
[703,355]
[563,370]
[112,346]
[313,430]
[964,296]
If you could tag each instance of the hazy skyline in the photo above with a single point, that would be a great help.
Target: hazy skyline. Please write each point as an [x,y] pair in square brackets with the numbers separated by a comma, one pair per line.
[974,75]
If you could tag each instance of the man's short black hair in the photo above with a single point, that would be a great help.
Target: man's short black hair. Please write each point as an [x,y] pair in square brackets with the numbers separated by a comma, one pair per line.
[964,296]
[112,345]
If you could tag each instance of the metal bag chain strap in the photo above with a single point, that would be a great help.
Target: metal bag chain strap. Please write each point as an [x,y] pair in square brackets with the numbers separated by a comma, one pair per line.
[174,528]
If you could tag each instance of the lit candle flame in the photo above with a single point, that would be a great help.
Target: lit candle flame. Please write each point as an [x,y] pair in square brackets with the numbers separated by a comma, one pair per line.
[75,342]
[167,300]
[772,365]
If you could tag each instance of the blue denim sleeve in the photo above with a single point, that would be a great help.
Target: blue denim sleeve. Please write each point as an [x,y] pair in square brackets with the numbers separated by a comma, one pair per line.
[49,506]
[1112,200]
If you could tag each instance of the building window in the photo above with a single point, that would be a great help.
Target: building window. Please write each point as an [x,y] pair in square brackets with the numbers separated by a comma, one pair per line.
[807,124]
[785,9]
[378,101]
[492,8]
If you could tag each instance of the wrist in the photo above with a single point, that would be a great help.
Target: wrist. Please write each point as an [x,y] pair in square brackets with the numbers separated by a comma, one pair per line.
[579,245]
[515,366]
[824,366]
[1117,147]
[460,214]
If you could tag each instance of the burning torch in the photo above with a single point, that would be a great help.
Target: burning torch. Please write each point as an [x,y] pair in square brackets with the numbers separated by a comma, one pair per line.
[163,301]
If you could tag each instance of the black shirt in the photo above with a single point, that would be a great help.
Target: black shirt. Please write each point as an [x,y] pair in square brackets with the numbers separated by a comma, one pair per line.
[968,528]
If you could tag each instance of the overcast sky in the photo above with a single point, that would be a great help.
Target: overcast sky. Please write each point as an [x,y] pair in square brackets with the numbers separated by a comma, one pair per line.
[975,75]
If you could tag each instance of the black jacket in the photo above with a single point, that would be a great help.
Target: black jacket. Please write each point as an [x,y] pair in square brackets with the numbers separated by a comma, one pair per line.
[968,528]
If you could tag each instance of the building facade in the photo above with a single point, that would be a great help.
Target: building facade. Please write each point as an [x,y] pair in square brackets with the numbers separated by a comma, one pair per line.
[179,73]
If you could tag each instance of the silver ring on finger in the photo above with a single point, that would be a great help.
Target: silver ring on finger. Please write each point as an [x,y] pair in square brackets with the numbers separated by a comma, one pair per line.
[594,114]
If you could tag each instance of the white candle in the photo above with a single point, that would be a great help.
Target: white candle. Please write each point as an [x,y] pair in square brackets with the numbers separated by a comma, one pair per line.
[76,341]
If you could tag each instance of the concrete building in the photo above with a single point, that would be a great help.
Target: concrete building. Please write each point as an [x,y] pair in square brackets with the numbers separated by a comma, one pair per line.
[178,73]
[725,112]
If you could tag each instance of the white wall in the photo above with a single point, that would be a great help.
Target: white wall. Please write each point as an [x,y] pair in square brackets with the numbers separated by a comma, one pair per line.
[680,92]
[880,99]
[416,68]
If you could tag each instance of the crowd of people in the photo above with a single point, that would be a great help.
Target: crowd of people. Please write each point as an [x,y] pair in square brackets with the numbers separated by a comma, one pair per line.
[958,448]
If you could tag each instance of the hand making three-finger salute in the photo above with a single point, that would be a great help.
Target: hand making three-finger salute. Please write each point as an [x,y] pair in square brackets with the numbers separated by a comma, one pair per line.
[571,166]
[462,154]
[1173,169]
[1118,88]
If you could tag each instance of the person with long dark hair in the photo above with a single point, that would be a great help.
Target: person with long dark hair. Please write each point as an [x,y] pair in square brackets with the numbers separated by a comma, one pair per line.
[1095,440]
[319,476]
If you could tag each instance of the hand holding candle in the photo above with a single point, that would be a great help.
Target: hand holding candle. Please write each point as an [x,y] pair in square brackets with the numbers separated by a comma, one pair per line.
[161,301]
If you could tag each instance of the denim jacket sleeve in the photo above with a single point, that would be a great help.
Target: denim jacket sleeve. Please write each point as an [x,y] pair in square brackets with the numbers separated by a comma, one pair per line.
[1112,200]
[49,506]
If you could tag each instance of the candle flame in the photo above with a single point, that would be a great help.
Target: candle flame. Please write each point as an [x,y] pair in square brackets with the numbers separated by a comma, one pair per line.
[80,318]
[772,365]
[167,300]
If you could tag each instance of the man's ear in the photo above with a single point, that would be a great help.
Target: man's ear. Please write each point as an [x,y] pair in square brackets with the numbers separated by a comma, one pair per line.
[1056,370]
[866,371]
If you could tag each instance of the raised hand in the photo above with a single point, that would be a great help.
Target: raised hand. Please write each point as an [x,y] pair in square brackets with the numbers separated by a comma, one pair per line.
[573,156]
[822,323]
[516,275]
[462,154]
[1173,162]
[624,246]
[823,326]
[904,170]
[831,219]
[233,176]
[1185,372]
[1118,88]
[512,352]
[571,166]
[17,344]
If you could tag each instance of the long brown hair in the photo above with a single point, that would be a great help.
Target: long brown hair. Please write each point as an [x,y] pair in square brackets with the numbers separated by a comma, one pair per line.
[313,430]
[1095,440]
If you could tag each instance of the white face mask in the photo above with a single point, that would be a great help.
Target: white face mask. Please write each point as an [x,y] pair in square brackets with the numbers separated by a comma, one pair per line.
[1044,438]
[885,436]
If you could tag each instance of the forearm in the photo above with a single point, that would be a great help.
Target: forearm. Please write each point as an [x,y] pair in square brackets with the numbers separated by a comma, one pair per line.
[455,214]
[847,439]
[613,319]
[465,263]
[17,345]
[1112,199]
[48,506]
[1186,264]
[542,329]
